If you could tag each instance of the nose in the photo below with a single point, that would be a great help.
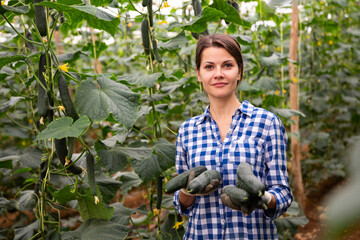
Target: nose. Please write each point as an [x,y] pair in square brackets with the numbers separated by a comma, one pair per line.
[219,73]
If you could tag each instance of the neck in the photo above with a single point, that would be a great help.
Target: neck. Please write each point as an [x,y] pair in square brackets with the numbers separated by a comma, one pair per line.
[224,108]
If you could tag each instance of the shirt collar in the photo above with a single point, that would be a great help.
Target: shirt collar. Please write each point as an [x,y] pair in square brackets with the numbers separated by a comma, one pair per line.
[245,107]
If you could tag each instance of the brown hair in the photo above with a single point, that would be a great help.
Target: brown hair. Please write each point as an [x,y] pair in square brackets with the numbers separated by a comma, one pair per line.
[222,41]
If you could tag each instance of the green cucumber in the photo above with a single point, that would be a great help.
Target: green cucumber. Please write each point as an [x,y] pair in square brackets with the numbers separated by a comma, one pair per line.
[65,97]
[238,196]
[197,7]
[90,165]
[62,152]
[181,180]
[145,36]
[156,51]
[150,12]
[145,3]
[159,191]
[43,100]
[248,181]
[40,18]
[198,184]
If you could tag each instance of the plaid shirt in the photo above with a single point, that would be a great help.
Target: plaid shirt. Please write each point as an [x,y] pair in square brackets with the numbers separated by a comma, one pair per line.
[255,136]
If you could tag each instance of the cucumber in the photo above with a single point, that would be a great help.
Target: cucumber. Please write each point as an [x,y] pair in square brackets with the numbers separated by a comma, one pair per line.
[65,97]
[62,152]
[197,7]
[90,165]
[159,191]
[145,36]
[40,18]
[248,181]
[238,196]
[145,3]
[43,100]
[181,180]
[156,51]
[202,181]
[150,12]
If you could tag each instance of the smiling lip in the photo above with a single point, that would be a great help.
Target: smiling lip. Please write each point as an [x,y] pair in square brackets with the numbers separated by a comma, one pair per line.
[220,84]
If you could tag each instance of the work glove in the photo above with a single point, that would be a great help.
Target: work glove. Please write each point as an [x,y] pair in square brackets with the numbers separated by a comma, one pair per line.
[240,200]
[203,184]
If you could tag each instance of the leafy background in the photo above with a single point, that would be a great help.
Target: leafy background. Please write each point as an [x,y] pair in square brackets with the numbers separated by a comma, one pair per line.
[131,105]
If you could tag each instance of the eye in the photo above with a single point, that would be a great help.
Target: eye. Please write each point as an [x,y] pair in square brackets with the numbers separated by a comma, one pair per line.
[208,67]
[228,65]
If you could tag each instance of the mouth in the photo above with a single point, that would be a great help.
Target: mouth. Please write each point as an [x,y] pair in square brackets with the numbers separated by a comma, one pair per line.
[219,84]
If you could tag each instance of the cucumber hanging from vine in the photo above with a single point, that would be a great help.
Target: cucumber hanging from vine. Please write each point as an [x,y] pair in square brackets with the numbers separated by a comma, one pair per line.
[40,18]
[90,167]
[159,191]
[65,97]
[62,152]
[145,36]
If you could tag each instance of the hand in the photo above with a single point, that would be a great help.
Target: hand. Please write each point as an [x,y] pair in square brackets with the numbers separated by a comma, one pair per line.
[211,187]
[240,200]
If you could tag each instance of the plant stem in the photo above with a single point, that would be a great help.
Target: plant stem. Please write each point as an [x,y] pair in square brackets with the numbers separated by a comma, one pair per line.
[16,123]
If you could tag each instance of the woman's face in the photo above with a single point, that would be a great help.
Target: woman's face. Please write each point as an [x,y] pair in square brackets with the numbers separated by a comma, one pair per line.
[218,72]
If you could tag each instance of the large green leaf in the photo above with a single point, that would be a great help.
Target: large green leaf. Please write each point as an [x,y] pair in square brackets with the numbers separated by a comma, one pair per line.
[142,80]
[95,229]
[6,59]
[122,214]
[95,17]
[199,24]
[129,180]
[89,209]
[112,159]
[174,43]
[107,186]
[266,83]
[27,232]
[273,60]
[162,158]
[64,127]
[285,112]
[231,15]
[66,194]
[17,10]
[98,99]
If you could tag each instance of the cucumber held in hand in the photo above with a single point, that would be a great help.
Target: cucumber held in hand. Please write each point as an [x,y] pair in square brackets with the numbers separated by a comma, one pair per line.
[248,181]
[181,180]
[200,183]
[238,196]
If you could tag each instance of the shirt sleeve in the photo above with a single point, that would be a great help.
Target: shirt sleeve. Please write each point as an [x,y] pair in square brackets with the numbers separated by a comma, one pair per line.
[277,179]
[181,166]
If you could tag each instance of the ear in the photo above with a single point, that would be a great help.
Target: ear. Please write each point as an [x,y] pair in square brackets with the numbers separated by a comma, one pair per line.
[198,75]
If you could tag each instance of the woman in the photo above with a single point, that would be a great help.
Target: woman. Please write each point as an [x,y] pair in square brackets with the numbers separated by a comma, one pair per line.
[227,133]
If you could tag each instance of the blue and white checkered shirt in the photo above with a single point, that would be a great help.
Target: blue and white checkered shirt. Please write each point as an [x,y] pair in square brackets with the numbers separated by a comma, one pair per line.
[255,136]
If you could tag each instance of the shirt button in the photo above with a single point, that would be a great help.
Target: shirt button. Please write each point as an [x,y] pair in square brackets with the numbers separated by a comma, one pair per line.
[223,221]
[219,164]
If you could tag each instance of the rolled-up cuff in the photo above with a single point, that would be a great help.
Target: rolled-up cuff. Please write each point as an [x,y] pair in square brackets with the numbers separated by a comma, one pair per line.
[188,212]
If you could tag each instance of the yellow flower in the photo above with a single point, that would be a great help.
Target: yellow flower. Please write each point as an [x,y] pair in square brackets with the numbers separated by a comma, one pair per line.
[277,92]
[61,108]
[3,2]
[307,36]
[178,224]
[319,43]
[96,200]
[44,39]
[163,22]
[263,95]
[23,143]
[166,180]
[278,49]
[156,211]
[166,5]
[30,120]
[294,79]
[330,42]
[129,24]
[64,67]
[42,120]
[284,91]
[118,15]
[321,2]
[67,161]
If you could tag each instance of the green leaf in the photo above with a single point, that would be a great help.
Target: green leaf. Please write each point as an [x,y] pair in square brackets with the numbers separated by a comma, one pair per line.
[174,43]
[97,102]
[100,3]
[64,127]
[89,209]
[112,159]
[95,229]
[69,57]
[168,232]
[122,214]
[107,186]
[285,112]
[27,200]
[199,24]
[12,102]
[6,59]
[231,15]
[243,39]
[273,60]
[17,10]
[30,157]
[22,170]
[265,83]
[162,158]
[66,194]
[279,3]
[129,180]
[6,164]
[27,232]
[144,80]
[246,87]
[95,17]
